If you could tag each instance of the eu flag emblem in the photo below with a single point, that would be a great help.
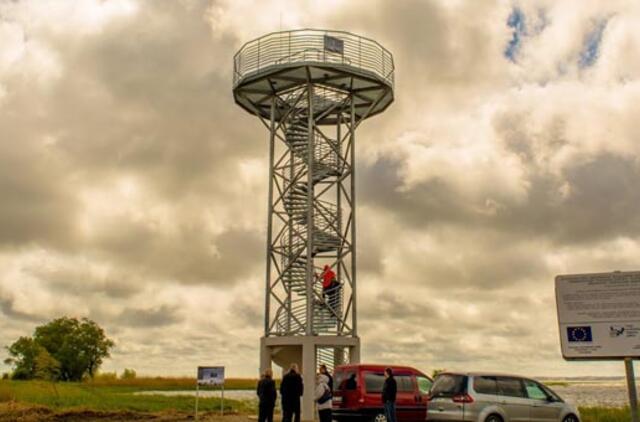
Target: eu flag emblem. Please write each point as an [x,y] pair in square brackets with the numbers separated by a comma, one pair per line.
[579,334]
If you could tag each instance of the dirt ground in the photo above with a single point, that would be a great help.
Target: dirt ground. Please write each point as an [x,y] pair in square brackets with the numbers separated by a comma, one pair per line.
[15,412]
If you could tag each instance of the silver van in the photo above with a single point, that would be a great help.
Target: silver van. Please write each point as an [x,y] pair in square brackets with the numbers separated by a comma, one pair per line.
[485,397]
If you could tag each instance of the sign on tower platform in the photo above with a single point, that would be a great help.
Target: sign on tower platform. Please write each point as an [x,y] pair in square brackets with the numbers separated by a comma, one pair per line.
[333,44]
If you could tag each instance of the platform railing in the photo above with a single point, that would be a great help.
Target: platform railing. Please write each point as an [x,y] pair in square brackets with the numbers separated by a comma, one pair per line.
[308,45]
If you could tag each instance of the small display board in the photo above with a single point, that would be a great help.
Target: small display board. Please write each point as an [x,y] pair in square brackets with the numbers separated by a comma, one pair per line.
[599,315]
[210,375]
[333,44]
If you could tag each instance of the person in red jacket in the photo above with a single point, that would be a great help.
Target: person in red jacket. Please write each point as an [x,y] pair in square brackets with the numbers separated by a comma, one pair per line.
[329,286]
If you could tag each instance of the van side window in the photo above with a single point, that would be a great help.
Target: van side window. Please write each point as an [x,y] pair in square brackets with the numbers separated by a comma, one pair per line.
[511,387]
[373,382]
[424,384]
[485,385]
[405,383]
[534,391]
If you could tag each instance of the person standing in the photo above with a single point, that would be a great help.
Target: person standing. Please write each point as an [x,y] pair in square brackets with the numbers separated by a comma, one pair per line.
[323,398]
[389,391]
[291,389]
[324,371]
[267,395]
[329,286]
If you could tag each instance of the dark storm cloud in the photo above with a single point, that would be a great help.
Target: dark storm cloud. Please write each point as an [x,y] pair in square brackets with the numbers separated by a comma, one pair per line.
[8,308]
[590,201]
[149,317]
[424,204]
[146,96]
[37,204]
[191,255]
[391,305]
[81,281]
[246,311]
[601,203]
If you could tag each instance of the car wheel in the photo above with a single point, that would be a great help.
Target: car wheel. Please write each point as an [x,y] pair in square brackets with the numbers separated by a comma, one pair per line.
[493,418]
[380,417]
[570,418]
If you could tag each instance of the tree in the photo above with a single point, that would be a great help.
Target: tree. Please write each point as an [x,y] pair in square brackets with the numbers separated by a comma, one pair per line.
[74,349]
[435,372]
[22,355]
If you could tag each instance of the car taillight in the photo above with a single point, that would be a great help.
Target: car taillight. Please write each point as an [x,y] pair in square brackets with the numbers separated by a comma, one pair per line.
[462,398]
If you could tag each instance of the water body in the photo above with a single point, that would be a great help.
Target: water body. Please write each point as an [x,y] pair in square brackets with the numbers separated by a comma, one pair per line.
[607,394]
[228,394]
[583,393]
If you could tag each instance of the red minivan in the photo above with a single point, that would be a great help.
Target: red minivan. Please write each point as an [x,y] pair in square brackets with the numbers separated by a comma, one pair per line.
[358,388]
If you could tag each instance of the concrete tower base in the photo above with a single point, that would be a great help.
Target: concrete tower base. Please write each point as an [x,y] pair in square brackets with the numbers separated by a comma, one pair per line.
[285,350]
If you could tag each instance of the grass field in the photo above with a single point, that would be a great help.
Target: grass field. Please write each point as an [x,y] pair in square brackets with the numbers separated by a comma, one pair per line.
[168,383]
[604,414]
[114,399]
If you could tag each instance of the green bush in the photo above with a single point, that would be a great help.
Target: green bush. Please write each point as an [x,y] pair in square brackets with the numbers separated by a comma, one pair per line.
[128,374]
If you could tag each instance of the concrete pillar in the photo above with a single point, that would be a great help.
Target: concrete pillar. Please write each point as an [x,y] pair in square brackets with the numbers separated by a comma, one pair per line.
[265,356]
[308,372]
[338,356]
[354,353]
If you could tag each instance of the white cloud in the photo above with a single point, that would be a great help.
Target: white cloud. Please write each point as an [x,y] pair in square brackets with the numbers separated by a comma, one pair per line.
[134,190]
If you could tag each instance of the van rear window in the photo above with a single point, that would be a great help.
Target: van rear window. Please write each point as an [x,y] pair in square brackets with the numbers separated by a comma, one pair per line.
[448,385]
[346,380]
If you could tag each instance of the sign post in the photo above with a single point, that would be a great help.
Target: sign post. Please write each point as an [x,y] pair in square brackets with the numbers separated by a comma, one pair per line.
[631,387]
[599,319]
[197,398]
[210,375]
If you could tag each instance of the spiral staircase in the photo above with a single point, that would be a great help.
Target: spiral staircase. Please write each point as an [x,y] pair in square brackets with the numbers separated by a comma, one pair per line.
[327,309]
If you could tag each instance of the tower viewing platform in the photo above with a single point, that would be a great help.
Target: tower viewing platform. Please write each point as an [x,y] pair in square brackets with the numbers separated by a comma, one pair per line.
[281,60]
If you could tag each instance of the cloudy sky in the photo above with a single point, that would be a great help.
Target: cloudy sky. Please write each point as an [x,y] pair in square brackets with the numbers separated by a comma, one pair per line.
[133,189]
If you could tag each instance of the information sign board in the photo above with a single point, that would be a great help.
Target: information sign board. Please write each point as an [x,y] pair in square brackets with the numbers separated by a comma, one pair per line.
[599,315]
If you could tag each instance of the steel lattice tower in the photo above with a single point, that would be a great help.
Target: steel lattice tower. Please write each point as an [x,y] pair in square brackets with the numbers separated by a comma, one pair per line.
[311,89]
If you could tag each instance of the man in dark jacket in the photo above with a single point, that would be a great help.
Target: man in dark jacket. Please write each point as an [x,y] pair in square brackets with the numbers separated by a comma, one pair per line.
[389,391]
[291,390]
[267,393]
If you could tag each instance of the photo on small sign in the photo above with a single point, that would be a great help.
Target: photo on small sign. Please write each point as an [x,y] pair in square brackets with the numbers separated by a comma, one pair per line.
[211,375]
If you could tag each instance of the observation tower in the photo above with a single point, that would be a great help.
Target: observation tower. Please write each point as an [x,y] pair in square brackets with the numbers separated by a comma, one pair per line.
[311,89]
